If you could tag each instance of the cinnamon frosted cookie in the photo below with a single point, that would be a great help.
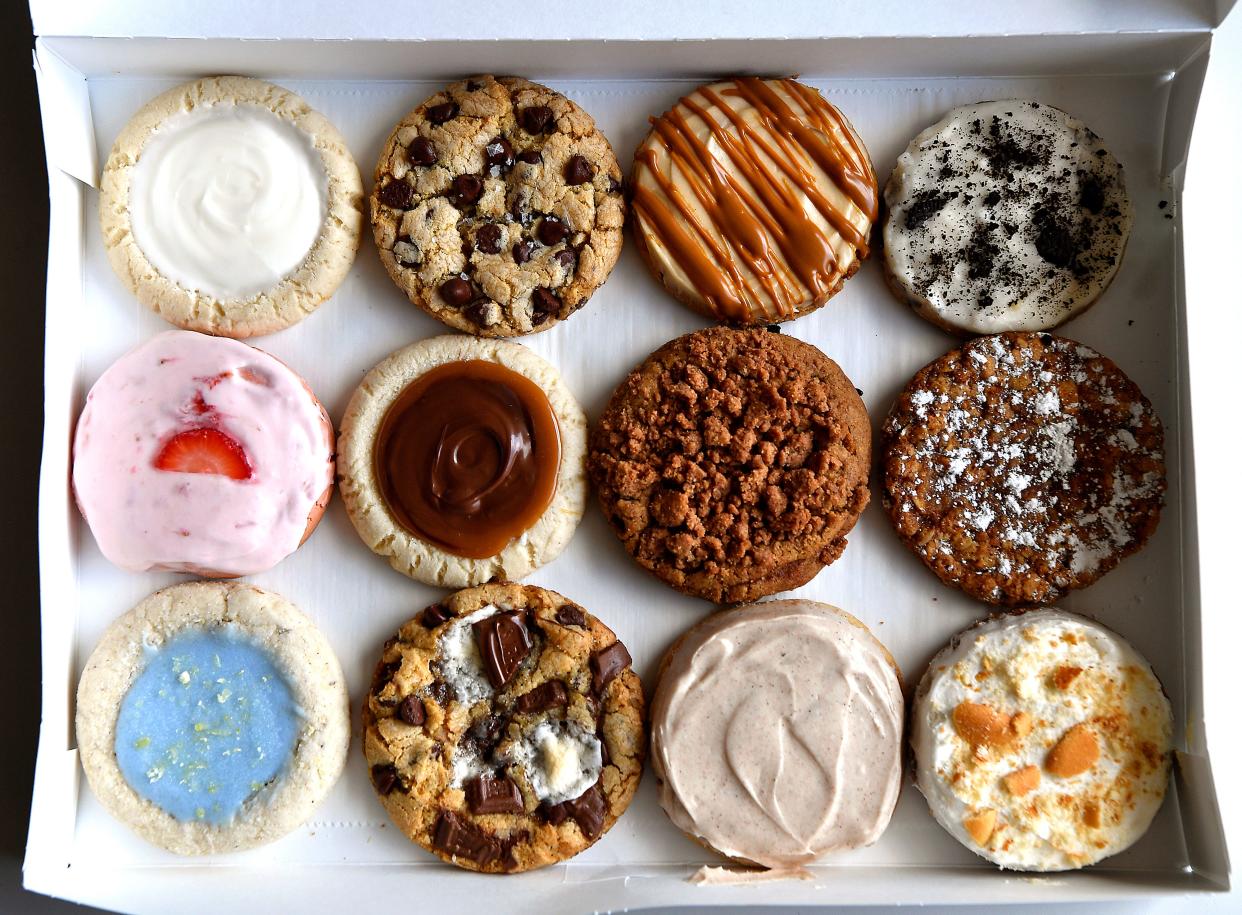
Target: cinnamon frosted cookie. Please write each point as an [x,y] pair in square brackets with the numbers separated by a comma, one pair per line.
[1006,215]
[497,206]
[1021,466]
[1043,741]
[230,207]
[776,734]
[732,463]
[753,200]
[504,728]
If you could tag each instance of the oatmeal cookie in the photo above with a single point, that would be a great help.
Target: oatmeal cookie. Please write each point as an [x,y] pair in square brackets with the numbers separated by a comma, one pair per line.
[732,463]
[497,206]
[1021,466]
[504,728]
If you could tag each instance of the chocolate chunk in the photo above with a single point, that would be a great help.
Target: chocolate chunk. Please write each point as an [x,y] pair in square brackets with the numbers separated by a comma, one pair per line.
[457,291]
[412,711]
[537,119]
[571,616]
[504,643]
[545,305]
[543,697]
[465,190]
[423,152]
[567,259]
[439,691]
[485,794]
[615,185]
[383,675]
[484,734]
[551,231]
[587,810]
[433,616]
[507,845]
[396,194]
[473,86]
[477,313]
[556,814]
[487,239]
[578,170]
[606,664]
[774,328]
[384,778]
[457,837]
[438,114]
[530,156]
[499,156]
[523,250]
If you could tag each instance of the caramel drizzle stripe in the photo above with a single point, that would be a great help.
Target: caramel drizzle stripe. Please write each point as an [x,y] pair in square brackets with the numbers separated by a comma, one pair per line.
[815,104]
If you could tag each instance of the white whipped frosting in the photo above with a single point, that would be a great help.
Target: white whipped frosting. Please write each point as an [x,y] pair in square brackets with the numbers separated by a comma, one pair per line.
[227,200]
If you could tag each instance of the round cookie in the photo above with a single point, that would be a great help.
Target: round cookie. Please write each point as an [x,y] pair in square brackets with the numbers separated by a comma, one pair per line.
[776,734]
[1021,466]
[212,717]
[753,200]
[497,206]
[462,479]
[1042,740]
[201,454]
[229,206]
[504,728]
[1007,215]
[732,463]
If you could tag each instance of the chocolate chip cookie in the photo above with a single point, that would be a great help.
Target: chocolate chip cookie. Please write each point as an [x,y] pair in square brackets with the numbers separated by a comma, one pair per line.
[504,728]
[1023,465]
[732,463]
[497,206]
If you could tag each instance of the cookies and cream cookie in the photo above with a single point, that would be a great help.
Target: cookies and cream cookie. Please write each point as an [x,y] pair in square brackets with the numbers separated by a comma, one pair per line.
[1008,215]
[462,460]
[201,454]
[1021,466]
[212,717]
[504,728]
[776,734]
[732,463]
[1042,740]
[753,200]
[230,206]
[497,206]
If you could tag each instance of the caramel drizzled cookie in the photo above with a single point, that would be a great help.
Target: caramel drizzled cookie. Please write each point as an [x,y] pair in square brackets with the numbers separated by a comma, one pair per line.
[497,206]
[1021,466]
[504,728]
[732,463]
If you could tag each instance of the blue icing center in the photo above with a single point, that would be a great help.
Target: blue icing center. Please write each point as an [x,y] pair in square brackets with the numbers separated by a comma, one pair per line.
[208,723]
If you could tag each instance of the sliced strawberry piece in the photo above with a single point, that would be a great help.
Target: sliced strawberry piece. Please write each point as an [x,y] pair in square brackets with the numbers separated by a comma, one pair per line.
[204,451]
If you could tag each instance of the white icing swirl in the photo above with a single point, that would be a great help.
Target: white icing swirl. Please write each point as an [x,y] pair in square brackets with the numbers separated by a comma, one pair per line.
[227,200]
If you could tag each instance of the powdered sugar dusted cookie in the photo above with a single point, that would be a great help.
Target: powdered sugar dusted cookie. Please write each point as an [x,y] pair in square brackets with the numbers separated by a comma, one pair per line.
[1007,215]
[1042,740]
[1021,466]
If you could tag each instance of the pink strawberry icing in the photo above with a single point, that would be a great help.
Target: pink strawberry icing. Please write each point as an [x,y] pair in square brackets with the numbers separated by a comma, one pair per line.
[145,518]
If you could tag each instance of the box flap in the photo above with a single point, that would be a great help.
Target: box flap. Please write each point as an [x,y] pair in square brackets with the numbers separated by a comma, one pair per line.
[648,19]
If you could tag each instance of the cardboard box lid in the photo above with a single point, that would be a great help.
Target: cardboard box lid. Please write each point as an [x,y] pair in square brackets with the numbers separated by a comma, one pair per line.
[630,19]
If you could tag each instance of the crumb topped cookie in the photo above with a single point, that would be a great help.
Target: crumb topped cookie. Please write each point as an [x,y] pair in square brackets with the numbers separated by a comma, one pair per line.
[1005,215]
[1021,466]
[497,206]
[504,728]
[732,463]
[1042,740]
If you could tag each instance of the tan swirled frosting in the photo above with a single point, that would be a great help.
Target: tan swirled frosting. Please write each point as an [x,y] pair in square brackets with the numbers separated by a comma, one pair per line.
[776,733]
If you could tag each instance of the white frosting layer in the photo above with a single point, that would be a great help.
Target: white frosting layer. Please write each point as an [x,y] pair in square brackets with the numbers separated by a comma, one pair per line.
[227,200]
[1011,664]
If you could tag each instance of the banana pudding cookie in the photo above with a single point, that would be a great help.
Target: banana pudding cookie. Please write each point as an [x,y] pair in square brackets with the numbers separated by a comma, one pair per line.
[504,728]
[732,463]
[1021,466]
[497,206]
[229,206]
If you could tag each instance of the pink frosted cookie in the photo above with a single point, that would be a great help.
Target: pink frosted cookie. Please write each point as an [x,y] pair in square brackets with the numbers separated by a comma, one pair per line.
[201,454]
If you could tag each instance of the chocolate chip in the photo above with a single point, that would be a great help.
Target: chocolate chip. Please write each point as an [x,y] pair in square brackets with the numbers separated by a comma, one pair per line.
[567,259]
[537,119]
[774,328]
[473,86]
[487,239]
[396,194]
[484,734]
[433,616]
[438,114]
[423,152]
[412,711]
[499,156]
[530,156]
[614,185]
[504,643]
[457,291]
[485,794]
[545,305]
[523,250]
[606,664]
[457,837]
[383,675]
[466,189]
[439,691]
[478,313]
[384,778]
[551,231]
[578,170]
[551,694]
[571,616]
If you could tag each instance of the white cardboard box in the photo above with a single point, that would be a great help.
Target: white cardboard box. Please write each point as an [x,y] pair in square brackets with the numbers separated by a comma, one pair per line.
[1133,74]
